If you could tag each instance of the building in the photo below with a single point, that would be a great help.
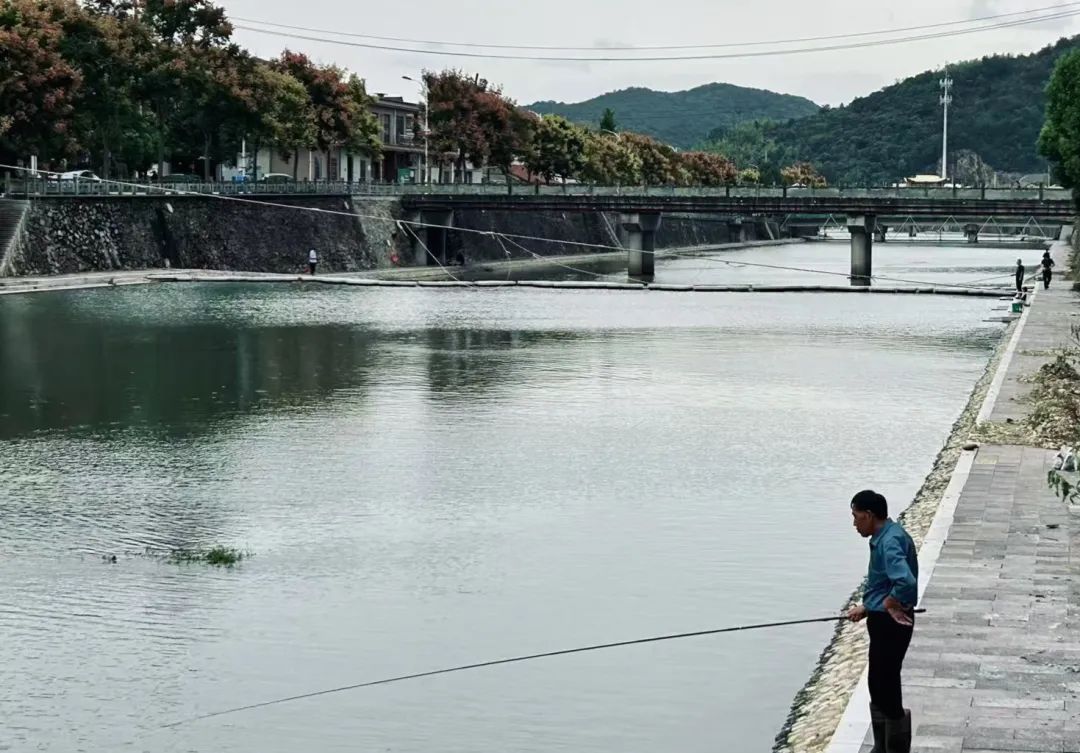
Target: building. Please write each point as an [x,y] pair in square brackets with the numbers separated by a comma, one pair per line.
[401,160]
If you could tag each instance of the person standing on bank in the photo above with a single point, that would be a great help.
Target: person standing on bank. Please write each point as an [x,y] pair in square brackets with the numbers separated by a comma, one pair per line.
[1047,270]
[1019,275]
[889,598]
[312,261]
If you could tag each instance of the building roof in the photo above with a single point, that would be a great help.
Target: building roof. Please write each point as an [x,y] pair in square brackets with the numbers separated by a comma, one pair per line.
[396,103]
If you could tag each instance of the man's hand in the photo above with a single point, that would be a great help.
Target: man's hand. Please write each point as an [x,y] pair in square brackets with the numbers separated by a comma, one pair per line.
[897,612]
[857,614]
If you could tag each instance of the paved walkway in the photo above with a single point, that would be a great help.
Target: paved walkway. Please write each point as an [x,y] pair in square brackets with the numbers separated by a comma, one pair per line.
[995,663]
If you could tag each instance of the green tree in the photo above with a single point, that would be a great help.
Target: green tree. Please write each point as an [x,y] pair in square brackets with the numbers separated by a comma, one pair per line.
[113,126]
[609,162]
[280,114]
[607,121]
[339,104]
[803,174]
[749,176]
[557,150]
[1060,138]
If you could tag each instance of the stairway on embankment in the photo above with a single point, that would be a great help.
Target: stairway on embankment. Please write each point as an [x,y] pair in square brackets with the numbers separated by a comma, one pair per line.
[11,219]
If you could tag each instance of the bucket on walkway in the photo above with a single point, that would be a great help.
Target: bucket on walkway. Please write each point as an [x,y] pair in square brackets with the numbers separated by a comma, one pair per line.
[1018,307]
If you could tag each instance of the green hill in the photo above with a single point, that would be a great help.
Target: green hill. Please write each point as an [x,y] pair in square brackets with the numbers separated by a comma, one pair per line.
[995,118]
[683,119]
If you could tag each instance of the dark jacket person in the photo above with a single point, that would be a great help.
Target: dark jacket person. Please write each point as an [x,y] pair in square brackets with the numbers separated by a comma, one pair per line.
[1019,275]
[889,598]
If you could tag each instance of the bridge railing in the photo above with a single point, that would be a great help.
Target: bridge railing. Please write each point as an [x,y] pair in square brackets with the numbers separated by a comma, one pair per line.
[31,188]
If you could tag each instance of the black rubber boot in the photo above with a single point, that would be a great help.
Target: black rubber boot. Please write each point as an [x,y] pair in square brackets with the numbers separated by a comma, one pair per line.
[877,724]
[898,734]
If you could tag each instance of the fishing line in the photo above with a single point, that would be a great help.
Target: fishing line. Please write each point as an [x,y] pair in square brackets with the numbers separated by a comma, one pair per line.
[497,662]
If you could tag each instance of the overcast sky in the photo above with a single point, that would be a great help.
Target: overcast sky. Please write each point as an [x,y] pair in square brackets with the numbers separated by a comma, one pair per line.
[825,77]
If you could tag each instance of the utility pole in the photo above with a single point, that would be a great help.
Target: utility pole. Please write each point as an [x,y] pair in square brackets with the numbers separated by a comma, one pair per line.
[946,100]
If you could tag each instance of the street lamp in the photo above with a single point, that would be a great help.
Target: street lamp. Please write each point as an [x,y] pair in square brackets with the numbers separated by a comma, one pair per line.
[426,177]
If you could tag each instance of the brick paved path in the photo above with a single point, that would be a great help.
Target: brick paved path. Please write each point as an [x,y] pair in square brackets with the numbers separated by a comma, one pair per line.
[995,663]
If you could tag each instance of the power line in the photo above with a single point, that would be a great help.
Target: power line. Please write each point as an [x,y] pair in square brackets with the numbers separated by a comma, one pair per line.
[670,58]
[727,45]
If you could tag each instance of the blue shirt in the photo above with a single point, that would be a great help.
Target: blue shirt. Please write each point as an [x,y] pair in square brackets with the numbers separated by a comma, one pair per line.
[894,568]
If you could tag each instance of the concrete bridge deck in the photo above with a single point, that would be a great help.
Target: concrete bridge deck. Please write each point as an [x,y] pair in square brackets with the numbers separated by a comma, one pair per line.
[891,204]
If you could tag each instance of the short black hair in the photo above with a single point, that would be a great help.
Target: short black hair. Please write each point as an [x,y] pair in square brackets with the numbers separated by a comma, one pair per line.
[871,502]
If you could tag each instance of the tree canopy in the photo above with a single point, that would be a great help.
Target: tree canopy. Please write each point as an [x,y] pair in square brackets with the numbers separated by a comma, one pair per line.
[123,84]
[1060,138]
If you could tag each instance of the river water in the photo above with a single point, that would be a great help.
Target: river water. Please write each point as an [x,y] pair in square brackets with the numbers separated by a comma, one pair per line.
[431,477]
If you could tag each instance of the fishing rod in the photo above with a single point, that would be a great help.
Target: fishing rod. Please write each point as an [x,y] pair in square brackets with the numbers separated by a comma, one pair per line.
[497,662]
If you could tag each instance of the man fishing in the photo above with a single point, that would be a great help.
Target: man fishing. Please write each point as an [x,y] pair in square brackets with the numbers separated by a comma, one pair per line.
[1020,271]
[889,597]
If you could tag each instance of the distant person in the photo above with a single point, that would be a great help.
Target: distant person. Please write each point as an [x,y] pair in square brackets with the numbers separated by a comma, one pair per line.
[889,597]
[1019,275]
[312,261]
[1047,270]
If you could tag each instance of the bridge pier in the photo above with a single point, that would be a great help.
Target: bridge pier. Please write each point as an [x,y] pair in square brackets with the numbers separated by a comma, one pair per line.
[971,232]
[861,228]
[437,224]
[640,230]
[414,232]
[737,231]
[879,232]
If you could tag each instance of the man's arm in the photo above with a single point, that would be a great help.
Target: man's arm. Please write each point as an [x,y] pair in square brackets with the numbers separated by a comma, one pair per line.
[905,586]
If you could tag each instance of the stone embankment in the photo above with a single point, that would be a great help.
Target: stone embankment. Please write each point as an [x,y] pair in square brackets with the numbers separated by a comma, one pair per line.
[68,235]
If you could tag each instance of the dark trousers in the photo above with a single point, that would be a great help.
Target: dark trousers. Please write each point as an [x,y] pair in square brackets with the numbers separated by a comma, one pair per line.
[888,645]
[311,267]
[1047,276]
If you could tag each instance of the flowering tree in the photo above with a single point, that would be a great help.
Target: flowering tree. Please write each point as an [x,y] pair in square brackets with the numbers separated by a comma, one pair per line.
[709,169]
[610,162]
[38,89]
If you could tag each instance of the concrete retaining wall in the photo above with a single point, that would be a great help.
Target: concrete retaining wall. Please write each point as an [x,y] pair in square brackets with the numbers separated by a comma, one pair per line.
[65,235]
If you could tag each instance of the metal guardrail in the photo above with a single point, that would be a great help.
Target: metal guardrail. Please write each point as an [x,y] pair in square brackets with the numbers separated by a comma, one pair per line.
[32,188]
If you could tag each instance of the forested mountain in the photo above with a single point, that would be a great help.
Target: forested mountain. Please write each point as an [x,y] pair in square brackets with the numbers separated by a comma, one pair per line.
[683,119]
[996,114]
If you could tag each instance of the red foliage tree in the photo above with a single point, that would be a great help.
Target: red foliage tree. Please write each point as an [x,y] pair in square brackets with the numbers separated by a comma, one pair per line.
[38,88]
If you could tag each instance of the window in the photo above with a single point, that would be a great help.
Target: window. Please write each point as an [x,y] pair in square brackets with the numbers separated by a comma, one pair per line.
[410,128]
[385,127]
[400,123]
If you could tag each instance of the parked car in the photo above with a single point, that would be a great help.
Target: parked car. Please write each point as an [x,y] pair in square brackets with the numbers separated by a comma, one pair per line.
[79,175]
[276,178]
[180,178]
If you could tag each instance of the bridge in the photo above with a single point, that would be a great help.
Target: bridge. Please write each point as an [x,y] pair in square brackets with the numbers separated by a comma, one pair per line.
[869,213]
